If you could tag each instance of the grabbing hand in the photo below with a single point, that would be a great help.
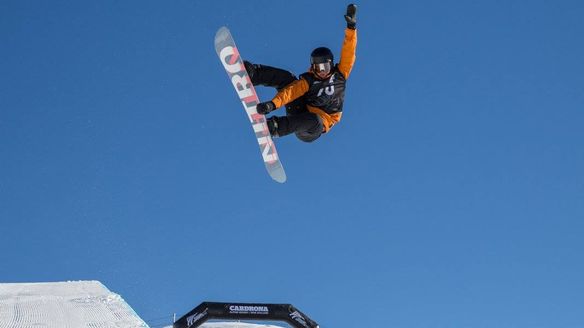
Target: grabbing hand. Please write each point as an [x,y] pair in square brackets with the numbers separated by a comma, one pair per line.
[265,107]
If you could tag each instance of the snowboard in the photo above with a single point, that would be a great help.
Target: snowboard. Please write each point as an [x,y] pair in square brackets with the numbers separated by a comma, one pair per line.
[233,64]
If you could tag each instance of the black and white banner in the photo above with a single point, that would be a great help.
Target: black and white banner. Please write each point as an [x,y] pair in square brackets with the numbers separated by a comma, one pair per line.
[245,311]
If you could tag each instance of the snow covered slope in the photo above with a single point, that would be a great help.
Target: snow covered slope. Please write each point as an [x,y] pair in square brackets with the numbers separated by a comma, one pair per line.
[75,304]
[64,305]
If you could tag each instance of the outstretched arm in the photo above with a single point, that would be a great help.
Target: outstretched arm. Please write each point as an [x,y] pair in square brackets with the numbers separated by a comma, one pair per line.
[288,94]
[350,42]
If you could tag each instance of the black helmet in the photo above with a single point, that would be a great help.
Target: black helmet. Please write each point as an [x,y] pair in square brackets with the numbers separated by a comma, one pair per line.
[321,61]
[321,55]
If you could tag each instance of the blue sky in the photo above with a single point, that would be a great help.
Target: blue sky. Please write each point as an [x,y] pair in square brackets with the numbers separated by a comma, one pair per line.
[450,195]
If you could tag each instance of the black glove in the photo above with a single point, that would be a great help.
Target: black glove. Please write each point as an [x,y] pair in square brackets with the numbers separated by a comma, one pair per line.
[351,16]
[265,107]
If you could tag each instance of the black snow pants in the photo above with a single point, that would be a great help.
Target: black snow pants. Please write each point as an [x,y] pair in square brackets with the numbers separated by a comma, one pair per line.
[298,120]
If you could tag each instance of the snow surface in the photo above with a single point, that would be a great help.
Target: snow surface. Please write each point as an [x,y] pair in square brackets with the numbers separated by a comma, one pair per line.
[64,305]
[75,304]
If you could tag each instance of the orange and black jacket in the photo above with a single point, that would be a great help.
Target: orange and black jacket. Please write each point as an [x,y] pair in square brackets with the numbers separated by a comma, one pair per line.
[324,97]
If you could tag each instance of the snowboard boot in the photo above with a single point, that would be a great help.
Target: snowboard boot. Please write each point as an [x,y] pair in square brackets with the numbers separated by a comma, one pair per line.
[273,126]
[251,70]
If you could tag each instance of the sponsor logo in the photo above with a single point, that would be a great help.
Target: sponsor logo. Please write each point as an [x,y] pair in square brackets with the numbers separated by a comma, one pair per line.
[192,319]
[248,309]
[296,316]
[240,79]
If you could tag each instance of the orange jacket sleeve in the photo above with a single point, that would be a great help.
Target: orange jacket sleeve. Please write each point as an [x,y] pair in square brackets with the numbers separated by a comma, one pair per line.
[290,93]
[348,52]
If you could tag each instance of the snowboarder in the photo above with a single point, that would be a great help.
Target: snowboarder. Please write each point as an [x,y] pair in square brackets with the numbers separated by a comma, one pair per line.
[314,102]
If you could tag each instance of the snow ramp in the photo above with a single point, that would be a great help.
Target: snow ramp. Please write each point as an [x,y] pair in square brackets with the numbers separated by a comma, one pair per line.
[72,304]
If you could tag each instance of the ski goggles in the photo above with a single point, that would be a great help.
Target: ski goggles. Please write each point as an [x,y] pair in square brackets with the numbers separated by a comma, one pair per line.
[322,68]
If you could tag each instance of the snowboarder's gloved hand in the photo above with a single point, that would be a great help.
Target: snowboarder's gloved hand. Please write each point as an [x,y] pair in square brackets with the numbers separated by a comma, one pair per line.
[265,107]
[351,16]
